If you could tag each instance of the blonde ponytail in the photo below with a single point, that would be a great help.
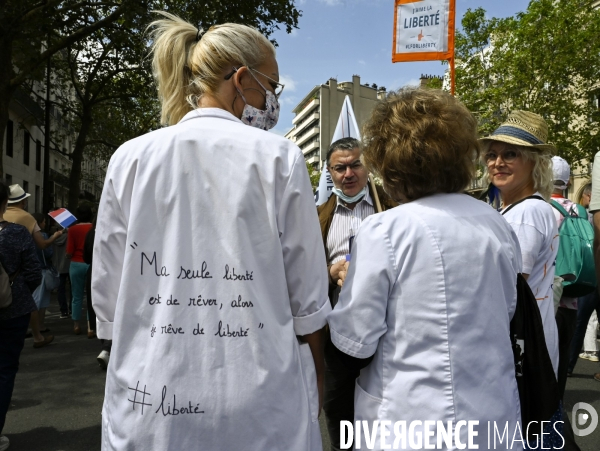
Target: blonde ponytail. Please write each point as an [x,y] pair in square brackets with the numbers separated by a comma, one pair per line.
[185,69]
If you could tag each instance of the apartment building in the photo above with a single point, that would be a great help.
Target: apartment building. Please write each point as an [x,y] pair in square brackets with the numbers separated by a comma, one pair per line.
[318,112]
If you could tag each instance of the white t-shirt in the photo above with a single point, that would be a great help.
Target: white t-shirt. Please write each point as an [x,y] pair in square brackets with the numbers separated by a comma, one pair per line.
[430,292]
[534,223]
[208,262]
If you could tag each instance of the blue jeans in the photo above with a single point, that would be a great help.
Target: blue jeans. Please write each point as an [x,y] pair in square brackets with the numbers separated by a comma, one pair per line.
[77,272]
[585,306]
[12,339]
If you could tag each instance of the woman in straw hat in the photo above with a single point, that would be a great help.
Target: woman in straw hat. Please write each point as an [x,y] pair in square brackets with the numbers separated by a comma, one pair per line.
[209,269]
[518,160]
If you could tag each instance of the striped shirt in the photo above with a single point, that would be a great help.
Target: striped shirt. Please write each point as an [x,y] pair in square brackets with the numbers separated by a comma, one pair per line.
[345,224]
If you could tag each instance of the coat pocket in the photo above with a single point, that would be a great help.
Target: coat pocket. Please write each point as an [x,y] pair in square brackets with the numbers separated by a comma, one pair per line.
[366,406]
[310,380]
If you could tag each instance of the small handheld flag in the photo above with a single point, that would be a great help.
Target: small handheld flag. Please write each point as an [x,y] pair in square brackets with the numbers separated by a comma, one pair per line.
[63,217]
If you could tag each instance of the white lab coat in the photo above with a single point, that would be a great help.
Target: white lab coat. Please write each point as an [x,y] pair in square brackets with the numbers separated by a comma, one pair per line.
[208,262]
[430,292]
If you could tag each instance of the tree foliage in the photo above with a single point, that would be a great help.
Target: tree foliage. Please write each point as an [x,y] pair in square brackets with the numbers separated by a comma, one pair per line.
[101,51]
[314,176]
[545,60]
[32,31]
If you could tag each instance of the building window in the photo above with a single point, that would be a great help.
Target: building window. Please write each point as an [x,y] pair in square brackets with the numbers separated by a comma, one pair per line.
[8,179]
[25,186]
[38,199]
[26,147]
[38,155]
[9,138]
[595,103]
[56,164]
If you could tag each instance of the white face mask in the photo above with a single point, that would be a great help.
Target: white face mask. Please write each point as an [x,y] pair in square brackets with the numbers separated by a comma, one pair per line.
[350,200]
[264,119]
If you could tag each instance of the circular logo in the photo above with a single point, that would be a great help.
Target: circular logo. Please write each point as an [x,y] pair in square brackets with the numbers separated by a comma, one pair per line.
[580,418]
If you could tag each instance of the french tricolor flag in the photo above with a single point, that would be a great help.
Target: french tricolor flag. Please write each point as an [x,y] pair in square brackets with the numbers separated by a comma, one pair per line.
[63,217]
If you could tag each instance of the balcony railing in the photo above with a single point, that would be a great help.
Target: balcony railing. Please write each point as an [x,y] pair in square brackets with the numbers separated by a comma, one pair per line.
[307,109]
[307,135]
[311,146]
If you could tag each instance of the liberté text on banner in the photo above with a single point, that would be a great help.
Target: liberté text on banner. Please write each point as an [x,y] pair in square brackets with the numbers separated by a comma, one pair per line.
[423,30]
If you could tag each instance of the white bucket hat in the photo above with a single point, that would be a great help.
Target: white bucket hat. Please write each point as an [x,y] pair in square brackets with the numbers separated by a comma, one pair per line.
[17,194]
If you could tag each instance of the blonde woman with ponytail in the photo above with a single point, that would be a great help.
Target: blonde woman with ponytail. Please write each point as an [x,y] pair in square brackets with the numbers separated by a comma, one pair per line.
[209,272]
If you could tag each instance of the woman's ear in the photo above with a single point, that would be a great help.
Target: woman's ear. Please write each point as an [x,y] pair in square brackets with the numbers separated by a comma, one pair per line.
[240,78]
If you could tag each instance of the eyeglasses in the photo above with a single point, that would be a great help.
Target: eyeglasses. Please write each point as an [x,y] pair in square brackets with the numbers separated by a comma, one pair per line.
[508,156]
[277,87]
[342,168]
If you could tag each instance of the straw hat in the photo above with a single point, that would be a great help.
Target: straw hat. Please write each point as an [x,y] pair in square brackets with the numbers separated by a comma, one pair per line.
[523,128]
[17,194]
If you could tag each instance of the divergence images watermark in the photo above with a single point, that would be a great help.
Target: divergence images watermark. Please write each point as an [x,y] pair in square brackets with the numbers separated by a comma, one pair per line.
[384,435]
[581,418]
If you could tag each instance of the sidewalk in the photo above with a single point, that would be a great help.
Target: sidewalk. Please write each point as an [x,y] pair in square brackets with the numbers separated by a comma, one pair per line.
[57,402]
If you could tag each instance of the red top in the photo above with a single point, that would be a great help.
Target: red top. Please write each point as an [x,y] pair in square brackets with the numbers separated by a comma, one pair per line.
[76,239]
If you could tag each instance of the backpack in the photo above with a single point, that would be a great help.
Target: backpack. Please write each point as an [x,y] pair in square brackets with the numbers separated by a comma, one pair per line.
[5,287]
[575,258]
[536,382]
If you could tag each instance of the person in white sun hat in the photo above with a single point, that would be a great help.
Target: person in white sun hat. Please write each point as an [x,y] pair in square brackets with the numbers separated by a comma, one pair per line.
[16,212]
[518,160]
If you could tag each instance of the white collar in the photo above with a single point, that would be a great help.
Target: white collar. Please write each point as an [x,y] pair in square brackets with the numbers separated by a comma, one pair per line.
[210,112]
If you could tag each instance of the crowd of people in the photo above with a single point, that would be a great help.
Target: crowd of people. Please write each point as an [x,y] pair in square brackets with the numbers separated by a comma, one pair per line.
[242,309]
[37,266]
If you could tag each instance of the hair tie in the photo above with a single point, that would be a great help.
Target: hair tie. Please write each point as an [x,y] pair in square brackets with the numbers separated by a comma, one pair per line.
[199,35]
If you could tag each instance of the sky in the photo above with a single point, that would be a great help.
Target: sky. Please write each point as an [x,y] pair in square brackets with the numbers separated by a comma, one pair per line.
[339,38]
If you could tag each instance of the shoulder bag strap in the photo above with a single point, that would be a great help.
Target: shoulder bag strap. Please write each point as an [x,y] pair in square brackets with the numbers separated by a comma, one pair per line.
[560,208]
[522,200]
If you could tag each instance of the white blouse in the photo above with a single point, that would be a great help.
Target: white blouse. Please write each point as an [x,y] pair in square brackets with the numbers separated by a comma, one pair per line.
[535,225]
[430,292]
[208,262]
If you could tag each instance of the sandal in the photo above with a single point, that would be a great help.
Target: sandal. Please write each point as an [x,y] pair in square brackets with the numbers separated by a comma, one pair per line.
[597,377]
[41,344]
[91,334]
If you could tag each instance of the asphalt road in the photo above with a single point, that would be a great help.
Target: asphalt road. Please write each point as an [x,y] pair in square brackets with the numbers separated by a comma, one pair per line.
[57,402]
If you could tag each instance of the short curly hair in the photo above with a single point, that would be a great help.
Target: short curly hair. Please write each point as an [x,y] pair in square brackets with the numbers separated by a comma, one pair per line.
[421,142]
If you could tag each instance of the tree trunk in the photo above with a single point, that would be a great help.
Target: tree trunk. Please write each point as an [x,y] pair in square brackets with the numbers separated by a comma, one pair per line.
[77,155]
[6,93]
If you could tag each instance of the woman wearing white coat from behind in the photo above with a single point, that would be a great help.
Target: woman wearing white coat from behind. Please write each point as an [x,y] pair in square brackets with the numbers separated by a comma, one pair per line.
[209,262]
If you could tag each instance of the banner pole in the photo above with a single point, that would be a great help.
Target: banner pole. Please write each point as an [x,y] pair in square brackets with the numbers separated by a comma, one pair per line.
[452,76]
[375,195]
